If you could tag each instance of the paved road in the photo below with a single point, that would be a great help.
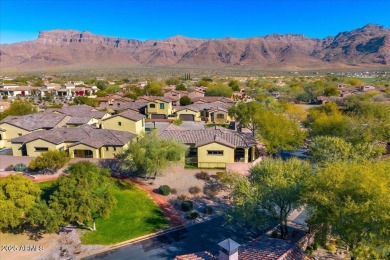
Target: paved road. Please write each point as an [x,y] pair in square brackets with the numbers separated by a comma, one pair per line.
[200,237]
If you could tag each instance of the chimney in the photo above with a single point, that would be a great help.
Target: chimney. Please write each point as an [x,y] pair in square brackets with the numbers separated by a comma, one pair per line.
[228,250]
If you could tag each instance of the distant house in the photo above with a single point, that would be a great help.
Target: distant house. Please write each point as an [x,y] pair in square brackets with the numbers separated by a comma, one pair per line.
[216,112]
[367,88]
[216,146]
[201,100]
[80,142]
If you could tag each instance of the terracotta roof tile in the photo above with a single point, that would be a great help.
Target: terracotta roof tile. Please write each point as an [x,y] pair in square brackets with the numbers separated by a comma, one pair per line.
[84,134]
[201,137]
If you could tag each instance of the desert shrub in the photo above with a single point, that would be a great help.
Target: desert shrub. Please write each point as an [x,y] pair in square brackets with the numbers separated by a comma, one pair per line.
[210,193]
[182,197]
[331,247]
[173,191]
[164,190]
[315,245]
[10,167]
[309,250]
[203,176]
[49,161]
[192,215]
[20,167]
[187,205]
[194,190]
[208,210]
[219,175]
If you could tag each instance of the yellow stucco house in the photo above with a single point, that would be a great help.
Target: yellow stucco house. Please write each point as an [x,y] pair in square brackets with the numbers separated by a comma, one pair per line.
[216,112]
[159,108]
[72,116]
[81,142]
[128,120]
[15,126]
[216,146]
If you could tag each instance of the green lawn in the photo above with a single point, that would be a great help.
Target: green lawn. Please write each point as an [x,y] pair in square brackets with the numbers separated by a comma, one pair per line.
[135,215]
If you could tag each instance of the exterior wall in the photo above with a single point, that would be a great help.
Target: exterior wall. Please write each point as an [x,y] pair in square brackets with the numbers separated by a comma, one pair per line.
[10,133]
[226,117]
[110,152]
[156,110]
[126,124]
[207,161]
[82,147]
[30,147]
[197,115]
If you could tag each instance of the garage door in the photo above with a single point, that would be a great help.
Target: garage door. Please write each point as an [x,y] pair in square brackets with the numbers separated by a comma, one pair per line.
[187,117]
[158,116]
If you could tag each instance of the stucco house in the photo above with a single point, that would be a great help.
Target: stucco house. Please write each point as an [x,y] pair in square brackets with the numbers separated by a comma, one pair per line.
[159,108]
[72,116]
[216,146]
[128,120]
[14,126]
[216,112]
[81,142]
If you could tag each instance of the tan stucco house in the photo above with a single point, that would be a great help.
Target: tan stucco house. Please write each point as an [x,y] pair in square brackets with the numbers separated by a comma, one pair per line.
[216,146]
[128,120]
[81,142]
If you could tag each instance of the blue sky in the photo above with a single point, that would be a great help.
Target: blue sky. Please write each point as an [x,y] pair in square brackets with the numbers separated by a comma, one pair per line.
[156,19]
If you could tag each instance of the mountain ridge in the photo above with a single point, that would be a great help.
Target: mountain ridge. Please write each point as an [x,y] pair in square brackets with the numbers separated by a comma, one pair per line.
[368,46]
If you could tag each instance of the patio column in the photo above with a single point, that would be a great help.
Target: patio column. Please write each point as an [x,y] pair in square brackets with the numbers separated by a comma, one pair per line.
[253,148]
[246,155]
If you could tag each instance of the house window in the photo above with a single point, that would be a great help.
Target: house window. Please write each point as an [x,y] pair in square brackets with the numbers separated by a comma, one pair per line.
[152,105]
[88,154]
[220,116]
[114,148]
[107,148]
[19,134]
[162,105]
[214,152]
[119,123]
[1,137]
[61,149]
[41,149]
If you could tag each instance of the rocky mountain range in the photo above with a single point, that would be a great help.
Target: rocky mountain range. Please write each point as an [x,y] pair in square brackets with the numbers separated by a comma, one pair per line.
[366,47]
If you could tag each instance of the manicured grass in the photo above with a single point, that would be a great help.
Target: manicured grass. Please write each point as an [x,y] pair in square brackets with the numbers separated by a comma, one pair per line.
[135,215]
[47,189]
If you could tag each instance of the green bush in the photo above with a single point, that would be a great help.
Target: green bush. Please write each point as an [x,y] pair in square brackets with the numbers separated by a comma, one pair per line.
[194,190]
[187,205]
[20,167]
[164,190]
[192,215]
[208,210]
[49,161]
[202,176]
[219,175]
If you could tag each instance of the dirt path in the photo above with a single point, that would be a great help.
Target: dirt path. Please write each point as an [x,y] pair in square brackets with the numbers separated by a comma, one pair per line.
[162,202]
